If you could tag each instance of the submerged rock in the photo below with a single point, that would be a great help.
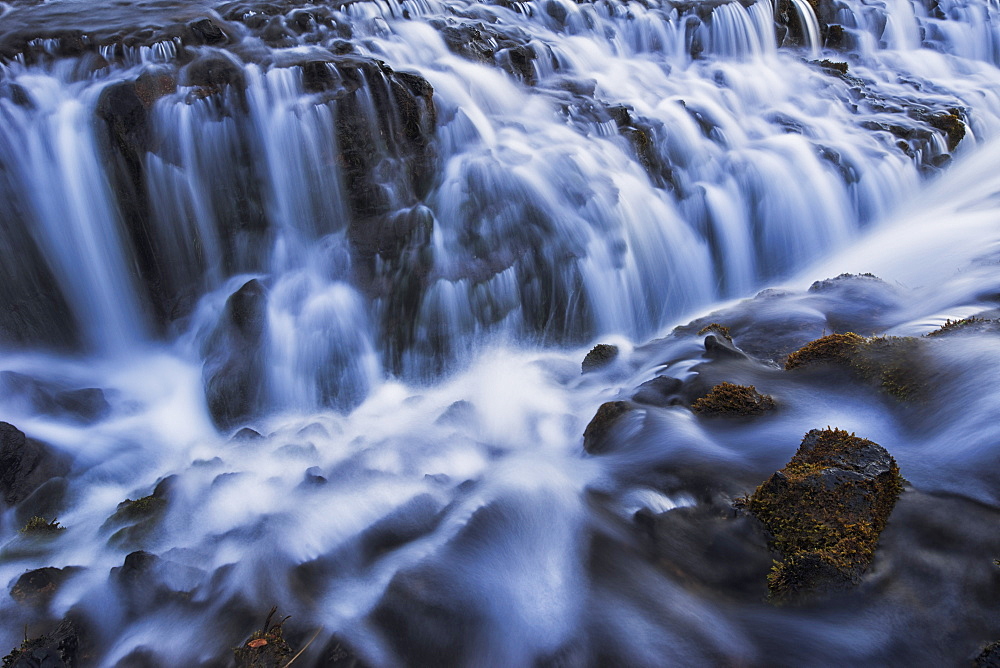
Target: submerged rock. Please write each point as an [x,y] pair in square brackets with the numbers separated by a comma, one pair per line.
[825,510]
[37,587]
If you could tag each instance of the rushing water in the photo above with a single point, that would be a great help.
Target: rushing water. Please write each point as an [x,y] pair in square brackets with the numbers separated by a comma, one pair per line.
[383,234]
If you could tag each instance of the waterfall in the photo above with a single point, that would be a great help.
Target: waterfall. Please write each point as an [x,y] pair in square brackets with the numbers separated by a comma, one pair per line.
[381,235]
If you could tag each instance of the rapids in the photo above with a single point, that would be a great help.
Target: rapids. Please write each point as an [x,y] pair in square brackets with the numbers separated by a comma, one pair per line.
[383,235]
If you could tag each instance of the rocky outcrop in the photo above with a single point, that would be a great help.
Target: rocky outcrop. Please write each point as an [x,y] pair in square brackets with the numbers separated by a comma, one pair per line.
[825,510]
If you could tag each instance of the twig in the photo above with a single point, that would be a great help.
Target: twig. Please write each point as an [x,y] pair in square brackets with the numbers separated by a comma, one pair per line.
[304,648]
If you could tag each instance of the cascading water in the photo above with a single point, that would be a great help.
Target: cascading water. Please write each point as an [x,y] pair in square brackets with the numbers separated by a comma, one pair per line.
[379,233]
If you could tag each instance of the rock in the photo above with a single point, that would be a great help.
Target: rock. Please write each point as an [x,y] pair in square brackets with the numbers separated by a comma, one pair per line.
[207,31]
[727,399]
[86,405]
[134,521]
[26,464]
[595,436]
[660,391]
[825,510]
[599,356]
[213,74]
[989,657]
[896,365]
[37,587]
[234,358]
[55,650]
[338,654]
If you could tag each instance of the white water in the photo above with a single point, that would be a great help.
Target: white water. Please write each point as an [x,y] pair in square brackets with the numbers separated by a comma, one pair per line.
[547,233]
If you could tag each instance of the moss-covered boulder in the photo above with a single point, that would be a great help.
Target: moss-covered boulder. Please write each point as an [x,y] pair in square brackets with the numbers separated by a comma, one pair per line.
[825,510]
[39,526]
[896,365]
[728,399]
[599,356]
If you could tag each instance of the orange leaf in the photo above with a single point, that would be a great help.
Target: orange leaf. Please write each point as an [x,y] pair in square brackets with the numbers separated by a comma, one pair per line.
[259,642]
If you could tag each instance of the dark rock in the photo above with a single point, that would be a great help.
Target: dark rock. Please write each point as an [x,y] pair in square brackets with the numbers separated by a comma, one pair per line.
[825,510]
[599,356]
[206,31]
[266,647]
[338,654]
[989,657]
[595,436]
[417,517]
[37,587]
[234,358]
[718,347]
[213,74]
[26,464]
[58,649]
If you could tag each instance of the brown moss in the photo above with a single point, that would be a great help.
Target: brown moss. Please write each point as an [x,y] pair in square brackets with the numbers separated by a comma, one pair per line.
[893,364]
[731,399]
[825,510]
[266,647]
[964,324]
[834,348]
[716,328]
[599,356]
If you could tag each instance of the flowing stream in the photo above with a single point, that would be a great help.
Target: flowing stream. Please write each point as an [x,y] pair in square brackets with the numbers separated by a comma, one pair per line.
[383,235]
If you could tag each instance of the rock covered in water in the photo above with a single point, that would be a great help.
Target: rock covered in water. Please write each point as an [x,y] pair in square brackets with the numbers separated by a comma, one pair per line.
[825,510]
[596,436]
[26,464]
[37,587]
[84,405]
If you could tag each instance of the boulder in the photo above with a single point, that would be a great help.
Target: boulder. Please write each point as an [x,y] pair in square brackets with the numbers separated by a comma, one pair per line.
[596,435]
[825,510]
[599,356]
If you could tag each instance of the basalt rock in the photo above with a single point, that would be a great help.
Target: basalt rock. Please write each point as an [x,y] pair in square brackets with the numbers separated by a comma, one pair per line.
[825,510]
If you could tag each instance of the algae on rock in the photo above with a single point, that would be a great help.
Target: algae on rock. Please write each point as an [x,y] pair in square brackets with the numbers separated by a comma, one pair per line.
[728,399]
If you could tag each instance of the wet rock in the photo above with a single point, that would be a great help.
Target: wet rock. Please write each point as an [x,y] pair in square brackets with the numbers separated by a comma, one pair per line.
[660,391]
[989,657]
[966,326]
[599,356]
[247,434]
[207,31]
[134,520]
[58,649]
[37,587]
[26,464]
[213,74]
[825,510]
[266,647]
[896,365]
[596,436]
[234,358]
[414,519]
[727,399]
[338,654]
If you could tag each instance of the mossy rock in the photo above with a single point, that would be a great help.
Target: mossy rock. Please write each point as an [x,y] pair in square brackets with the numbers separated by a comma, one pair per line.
[716,328]
[825,511]
[973,325]
[989,657]
[266,647]
[728,399]
[893,364]
[134,520]
[58,649]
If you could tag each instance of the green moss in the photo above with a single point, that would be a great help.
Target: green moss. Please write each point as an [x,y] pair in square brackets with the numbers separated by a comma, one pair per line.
[266,647]
[951,326]
[894,364]
[716,328]
[731,399]
[41,526]
[825,510]
[142,508]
